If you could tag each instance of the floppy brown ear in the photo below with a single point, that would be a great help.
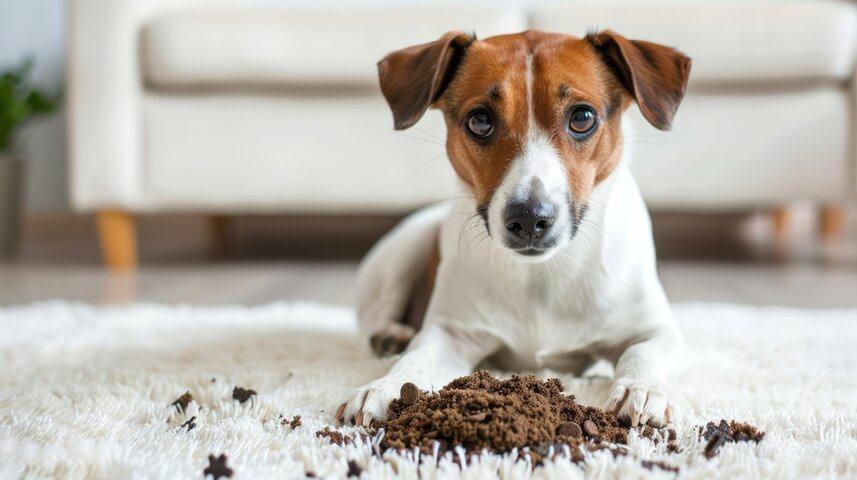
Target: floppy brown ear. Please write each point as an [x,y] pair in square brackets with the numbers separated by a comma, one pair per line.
[655,75]
[415,77]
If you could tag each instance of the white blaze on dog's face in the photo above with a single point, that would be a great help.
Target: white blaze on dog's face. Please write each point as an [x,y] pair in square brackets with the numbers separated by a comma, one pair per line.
[534,119]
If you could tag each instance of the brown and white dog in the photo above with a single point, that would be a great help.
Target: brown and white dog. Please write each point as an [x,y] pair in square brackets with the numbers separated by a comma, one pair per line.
[549,262]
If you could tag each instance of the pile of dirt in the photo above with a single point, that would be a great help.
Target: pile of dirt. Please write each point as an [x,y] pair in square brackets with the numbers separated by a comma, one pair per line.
[481,412]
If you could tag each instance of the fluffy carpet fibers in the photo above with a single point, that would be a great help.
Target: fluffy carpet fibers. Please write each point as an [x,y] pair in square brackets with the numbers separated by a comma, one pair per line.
[86,393]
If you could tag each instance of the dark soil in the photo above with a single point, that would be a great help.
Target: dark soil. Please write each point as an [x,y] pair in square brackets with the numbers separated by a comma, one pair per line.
[294,423]
[334,436]
[217,467]
[190,424]
[481,412]
[718,434]
[662,465]
[354,469]
[243,394]
[182,402]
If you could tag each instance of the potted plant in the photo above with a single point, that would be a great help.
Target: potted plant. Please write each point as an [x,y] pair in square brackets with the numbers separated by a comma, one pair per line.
[19,103]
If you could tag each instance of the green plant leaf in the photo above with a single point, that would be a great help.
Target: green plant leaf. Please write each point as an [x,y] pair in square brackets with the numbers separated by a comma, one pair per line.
[20,101]
[39,103]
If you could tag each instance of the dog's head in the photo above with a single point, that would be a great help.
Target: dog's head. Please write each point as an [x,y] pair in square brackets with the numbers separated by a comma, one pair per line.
[534,119]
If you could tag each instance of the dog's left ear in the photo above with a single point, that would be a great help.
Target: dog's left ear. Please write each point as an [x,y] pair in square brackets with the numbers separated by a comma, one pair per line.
[655,75]
[415,77]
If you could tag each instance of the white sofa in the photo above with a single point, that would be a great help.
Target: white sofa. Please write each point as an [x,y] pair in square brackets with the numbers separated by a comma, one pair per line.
[224,107]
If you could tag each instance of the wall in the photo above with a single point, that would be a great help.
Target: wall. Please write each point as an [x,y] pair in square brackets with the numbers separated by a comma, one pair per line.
[35,27]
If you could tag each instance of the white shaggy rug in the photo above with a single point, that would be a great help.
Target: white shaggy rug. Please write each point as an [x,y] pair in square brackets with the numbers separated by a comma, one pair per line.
[85,393]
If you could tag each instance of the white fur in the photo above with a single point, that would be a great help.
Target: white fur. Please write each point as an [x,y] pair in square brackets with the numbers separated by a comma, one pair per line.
[597,297]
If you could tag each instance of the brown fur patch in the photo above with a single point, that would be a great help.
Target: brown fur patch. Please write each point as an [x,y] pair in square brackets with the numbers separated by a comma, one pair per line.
[605,71]
[567,71]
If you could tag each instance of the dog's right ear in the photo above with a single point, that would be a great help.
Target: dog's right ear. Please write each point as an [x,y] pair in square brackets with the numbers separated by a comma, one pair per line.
[412,79]
[655,75]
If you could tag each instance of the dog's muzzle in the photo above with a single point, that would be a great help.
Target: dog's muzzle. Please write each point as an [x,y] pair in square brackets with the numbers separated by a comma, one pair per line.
[528,225]
[529,222]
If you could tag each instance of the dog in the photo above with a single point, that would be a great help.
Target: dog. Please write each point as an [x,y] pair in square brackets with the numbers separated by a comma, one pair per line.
[548,261]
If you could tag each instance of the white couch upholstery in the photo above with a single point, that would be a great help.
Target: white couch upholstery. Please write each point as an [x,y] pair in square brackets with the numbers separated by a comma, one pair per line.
[768,119]
[730,41]
[292,108]
[224,107]
[333,47]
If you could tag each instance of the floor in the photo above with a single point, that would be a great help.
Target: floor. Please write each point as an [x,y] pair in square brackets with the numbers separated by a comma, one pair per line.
[721,258]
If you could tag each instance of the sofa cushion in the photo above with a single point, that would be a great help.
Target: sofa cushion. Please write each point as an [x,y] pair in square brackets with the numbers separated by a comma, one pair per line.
[791,145]
[240,152]
[243,152]
[735,41]
[254,46]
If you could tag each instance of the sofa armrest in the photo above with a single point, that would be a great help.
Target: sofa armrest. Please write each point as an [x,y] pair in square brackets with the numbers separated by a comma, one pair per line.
[852,91]
[104,97]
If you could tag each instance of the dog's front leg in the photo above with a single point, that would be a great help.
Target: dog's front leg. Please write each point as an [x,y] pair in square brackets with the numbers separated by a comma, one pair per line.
[436,355]
[639,392]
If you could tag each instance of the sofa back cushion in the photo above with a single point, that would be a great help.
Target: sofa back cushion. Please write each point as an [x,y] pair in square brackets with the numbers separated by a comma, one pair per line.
[730,42]
[250,47]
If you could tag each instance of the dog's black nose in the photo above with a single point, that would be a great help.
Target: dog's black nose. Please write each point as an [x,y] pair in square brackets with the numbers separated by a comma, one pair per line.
[530,220]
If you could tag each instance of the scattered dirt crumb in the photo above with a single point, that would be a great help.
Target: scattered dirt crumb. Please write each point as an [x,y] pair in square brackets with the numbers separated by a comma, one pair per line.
[671,436]
[335,436]
[613,449]
[648,432]
[295,422]
[744,432]
[663,466]
[217,467]
[718,434]
[354,469]
[182,402]
[243,394]
[409,393]
[190,424]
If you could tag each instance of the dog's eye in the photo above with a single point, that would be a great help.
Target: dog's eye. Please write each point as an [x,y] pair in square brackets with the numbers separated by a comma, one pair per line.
[582,120]
[479,124]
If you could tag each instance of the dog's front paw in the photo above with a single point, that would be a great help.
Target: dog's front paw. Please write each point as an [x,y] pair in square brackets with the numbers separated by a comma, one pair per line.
[369,402]
[639,402]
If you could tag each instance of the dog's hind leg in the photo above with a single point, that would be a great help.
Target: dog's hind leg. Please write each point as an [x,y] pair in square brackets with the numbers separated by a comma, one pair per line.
[395,279]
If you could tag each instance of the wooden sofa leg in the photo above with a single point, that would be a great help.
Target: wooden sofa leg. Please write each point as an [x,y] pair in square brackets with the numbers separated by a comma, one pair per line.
[219,227]
[118,235]
[780,223]
[831,221]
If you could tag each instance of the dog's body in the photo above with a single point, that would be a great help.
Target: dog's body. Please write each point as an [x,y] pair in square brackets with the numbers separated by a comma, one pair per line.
[550,263]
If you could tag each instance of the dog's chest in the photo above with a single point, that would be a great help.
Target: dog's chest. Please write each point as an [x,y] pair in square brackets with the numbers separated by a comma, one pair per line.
[544,319]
